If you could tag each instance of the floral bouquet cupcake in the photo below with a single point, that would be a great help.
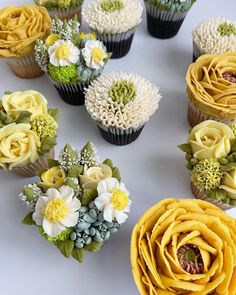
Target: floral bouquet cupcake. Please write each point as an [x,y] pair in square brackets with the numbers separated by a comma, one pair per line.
[184,247]
[28,131]
[211,157]
[114,22]
[165,17]
[214,36]
[211,87]
[63,9]
[78,203]
[20,27]
[71,59]
[121,104]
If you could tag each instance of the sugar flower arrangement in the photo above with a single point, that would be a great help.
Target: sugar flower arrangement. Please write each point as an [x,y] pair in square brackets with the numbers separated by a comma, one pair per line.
[211,155]
[78,202]
[28,131]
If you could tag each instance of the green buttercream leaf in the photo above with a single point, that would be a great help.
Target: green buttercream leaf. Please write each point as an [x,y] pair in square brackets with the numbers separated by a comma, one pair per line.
[23,117]
[228,167]
[108,162]
[88,196]
[54,113]
[5,119]
[116,173]
[29,193]
[88,155]
[66,247]
[93,247]
[52,163]
[186,148]
[28,219]
[78,254]
[7,92]
[75,171]
[47,144]
[63,236]
[71,184]
[233,147]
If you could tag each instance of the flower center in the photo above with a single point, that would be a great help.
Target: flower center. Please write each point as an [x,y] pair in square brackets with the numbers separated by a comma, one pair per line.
[63,51]
[119,199]
[112,5]
[97,54]
[55,210]
[226,29]
[123,92]
[230,76]
[64,3]
[190,259]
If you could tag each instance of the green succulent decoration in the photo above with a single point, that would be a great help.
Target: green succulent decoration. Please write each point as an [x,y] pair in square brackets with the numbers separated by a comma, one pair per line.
[112,5]
[226,29]
[123,92]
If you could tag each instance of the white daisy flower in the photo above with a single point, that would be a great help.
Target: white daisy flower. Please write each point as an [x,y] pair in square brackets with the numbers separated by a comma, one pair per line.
[113,200]
[57,210]
[94,54]
[63,53]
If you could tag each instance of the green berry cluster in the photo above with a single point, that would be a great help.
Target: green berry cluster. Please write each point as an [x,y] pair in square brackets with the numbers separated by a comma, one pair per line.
[62,74]
[44,125]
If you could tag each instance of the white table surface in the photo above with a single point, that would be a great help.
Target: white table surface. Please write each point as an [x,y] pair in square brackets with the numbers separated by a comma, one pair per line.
[152,168]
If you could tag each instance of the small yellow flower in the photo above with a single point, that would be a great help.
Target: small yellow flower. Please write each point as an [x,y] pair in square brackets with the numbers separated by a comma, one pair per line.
[88,35]
[52,178]
[51,39]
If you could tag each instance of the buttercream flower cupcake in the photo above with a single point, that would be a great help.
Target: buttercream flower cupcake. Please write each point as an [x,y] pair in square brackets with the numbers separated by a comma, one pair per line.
[184,247]
[121,104]
[71,59]
[28,131]
[165,17]
[79,203]
[214,36]
[114,22]
[20,27]
[211,87]
[211,158]
[63,9]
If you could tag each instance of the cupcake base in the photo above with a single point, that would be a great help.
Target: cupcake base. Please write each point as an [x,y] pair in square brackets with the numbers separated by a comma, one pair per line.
[118,136]
[199,194]
[31,169]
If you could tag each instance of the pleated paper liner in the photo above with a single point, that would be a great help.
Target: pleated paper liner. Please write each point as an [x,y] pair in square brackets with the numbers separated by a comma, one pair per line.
[119,136]
[66,13]
[31,169]
[199,194]
[24,67]
[163,24]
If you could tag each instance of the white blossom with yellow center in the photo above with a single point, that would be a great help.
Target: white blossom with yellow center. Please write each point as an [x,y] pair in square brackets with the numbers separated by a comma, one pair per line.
[94,54]
[113,200]
[63,53]
[57,210]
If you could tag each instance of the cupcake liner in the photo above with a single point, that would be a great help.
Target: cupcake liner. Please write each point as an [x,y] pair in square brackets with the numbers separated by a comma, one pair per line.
[31,169]
[24,67]
[118,44]
[163,24]
[196,52]
[199,194]
[119,136]
[66,13]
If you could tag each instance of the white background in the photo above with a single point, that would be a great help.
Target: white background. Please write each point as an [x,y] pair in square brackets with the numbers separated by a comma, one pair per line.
[152,168]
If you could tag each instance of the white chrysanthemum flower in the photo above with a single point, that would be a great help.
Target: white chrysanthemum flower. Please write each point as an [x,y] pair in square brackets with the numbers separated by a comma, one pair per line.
[121,100]
[57,210]
[215,36]
[115,21]
[113,200]
[94,54]
[63,53]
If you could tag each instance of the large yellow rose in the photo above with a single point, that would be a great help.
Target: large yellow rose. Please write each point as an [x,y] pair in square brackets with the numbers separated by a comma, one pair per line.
[52,178]
[184,247]
[20,27]
[29,100]
[18,146]
[94,175]
[210,140]
[228,183]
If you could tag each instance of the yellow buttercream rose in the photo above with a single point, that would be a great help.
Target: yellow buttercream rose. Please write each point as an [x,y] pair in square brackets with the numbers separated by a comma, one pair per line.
[229,184]
[52,178]
[94,175]
[29,100]
[210,140]
[184,247]
[51,39]
[18,146]
[20,27]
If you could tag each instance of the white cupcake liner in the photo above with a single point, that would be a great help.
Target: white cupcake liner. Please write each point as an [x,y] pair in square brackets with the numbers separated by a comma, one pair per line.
[114,37]
[66,13]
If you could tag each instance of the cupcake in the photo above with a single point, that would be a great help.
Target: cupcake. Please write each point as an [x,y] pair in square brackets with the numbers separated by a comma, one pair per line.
[71,59]
[114,22]
[20,27]
[184,247]
[121,104]
[214,36]
[63,9]
[211,87]
[211,158]
[28,131]
[78,203]
[165,17]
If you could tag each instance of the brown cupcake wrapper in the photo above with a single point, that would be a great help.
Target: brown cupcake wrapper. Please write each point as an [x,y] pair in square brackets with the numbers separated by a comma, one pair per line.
[31,169]
[199,194]
[66,13]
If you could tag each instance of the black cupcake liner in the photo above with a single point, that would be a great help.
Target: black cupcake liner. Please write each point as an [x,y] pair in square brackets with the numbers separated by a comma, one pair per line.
[75,98]
[194,58]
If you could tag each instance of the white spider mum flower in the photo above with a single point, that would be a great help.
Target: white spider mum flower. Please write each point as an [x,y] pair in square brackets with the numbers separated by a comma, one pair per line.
[57,210]
[113,200]
[94,54]
[63,53]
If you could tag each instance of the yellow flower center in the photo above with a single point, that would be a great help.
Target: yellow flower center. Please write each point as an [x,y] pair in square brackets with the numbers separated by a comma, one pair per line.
[55,210]
[97,54]
[63,51]
[119,199]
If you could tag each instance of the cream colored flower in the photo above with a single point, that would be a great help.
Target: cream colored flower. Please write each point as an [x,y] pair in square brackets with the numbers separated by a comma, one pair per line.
[29,100]
[94,54]
[229,184]
[18,146]
[94,175]
[210,140]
